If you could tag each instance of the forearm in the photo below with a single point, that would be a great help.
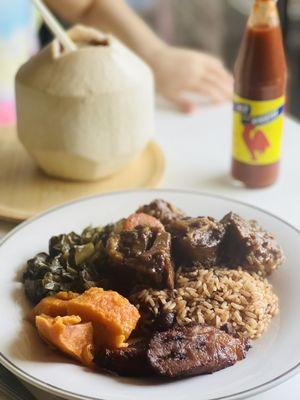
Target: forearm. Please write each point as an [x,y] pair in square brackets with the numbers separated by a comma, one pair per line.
[176,70]
[113,16]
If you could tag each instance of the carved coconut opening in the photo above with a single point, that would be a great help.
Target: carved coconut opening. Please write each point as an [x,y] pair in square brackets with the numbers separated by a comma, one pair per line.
[83,37]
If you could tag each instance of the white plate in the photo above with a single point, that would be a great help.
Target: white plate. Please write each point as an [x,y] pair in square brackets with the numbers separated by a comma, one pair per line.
[273,359]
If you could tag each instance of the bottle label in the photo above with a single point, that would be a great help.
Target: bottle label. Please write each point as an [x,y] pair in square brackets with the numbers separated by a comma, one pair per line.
[257,130]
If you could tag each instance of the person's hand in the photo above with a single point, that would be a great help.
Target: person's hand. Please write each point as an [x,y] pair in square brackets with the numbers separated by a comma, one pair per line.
[178,70]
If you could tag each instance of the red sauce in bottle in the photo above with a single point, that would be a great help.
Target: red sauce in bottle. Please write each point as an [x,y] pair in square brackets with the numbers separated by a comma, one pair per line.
[260,82]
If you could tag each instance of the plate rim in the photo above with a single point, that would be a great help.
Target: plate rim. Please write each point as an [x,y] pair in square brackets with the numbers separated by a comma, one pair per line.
[40,384]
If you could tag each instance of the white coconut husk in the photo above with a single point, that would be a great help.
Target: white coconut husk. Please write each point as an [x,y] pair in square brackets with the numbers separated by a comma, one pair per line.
[86,114]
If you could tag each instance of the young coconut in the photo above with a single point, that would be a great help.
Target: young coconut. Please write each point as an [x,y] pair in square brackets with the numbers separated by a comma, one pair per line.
[84,115]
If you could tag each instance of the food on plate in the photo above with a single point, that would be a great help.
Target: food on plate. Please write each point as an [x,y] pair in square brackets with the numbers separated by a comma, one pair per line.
[128,361]
[197,240]
[142,219]
[241,302]
[157,293]
[73,263]
[178,352]
[194,350]
[53,305]
[68,334]
[78,262]
[164,320]
[162,210]
[246,244]
[145,250]
[112,315]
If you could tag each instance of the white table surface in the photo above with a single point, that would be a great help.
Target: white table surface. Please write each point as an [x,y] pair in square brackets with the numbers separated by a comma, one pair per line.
[197,151]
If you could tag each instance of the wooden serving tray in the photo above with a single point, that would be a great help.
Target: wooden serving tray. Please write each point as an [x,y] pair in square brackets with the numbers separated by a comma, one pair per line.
[25,190]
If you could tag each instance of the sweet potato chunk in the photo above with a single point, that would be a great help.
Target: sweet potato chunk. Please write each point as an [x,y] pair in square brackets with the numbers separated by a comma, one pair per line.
[69,335]
[53,306]
[111,314]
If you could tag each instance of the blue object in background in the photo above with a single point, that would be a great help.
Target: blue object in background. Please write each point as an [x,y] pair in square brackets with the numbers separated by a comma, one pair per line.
[17,42]
[13,15]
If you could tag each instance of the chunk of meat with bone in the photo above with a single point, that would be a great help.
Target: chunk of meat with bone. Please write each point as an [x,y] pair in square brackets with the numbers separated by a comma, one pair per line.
[145,250]
[162,210]
[194,350]
[196,240]
[137,219]
[247,245]
[128,361]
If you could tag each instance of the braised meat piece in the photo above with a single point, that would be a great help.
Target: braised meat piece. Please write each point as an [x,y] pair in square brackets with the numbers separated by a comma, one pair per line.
[162,210]
[247,245]
[194,350]
[164,321]
[128,361]
[137,219]
[177,352]
[146,251]
[196,240]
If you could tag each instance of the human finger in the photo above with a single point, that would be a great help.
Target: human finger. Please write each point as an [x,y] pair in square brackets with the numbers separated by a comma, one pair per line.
[216,66]
[182,103]
[224,85]
[212,90]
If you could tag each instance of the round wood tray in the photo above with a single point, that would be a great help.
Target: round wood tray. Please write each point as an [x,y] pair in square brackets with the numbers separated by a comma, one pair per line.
[25,190]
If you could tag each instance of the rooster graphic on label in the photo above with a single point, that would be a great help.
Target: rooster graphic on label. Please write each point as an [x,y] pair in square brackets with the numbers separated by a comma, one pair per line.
[255,140]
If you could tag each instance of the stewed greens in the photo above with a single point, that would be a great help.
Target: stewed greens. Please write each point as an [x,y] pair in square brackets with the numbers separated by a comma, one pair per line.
[75,262]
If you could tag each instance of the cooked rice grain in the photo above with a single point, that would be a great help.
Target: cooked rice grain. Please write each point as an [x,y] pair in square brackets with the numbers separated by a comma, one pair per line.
[242,301]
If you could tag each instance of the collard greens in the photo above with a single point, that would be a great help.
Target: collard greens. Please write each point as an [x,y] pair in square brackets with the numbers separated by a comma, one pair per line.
[75,262]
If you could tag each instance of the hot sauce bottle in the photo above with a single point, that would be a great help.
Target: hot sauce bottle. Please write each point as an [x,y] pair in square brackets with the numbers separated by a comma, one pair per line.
[260,83]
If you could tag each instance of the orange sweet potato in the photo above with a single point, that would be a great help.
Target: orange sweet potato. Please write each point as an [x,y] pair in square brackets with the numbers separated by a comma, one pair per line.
[53,306]
[69,335]
[111,314]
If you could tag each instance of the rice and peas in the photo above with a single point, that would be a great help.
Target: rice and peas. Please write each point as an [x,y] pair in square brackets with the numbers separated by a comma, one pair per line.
[242,302]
